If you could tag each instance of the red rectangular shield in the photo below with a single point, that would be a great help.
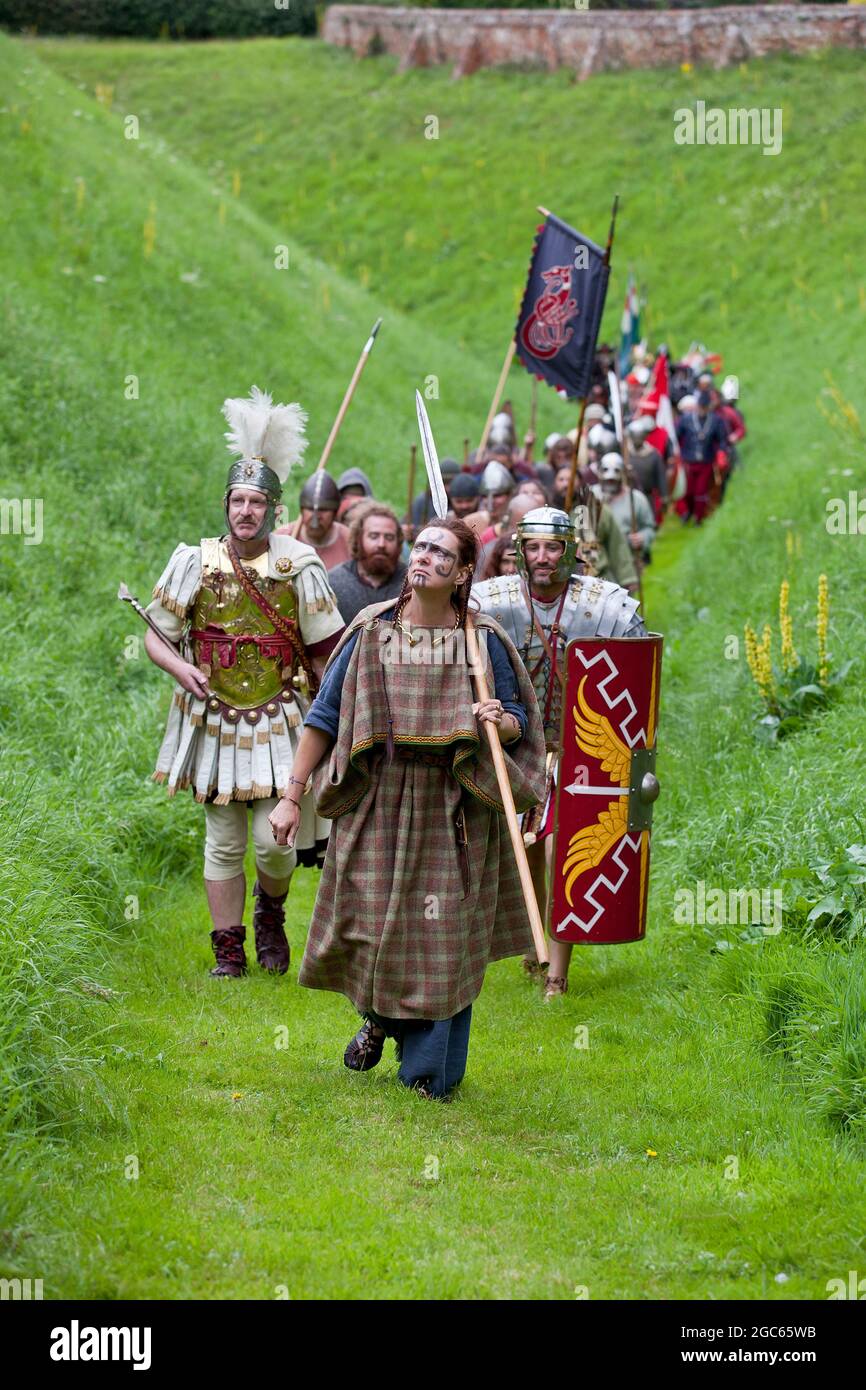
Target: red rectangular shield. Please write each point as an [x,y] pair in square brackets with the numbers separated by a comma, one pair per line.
[605,789]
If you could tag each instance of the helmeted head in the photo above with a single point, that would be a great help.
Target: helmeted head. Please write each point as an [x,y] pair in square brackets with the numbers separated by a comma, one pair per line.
[449,468]
[463,494]
[601,440]
[497,486]
[319,502]
[610,473]
[269,440]
[546,546]
[501,431]
[639,428]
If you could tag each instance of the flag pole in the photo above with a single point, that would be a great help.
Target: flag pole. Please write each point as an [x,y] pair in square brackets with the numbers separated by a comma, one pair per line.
[569,493]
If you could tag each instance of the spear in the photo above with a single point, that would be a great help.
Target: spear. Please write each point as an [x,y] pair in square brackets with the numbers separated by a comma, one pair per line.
[350,391]
[126,597]
[344,406]
[500,387]
[616,403]
[440,504]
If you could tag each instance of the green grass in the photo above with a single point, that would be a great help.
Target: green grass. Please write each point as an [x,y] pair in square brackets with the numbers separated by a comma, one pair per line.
[262,1167]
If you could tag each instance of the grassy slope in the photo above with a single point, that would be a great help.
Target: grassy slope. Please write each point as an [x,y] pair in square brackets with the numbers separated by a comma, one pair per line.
[239,1195]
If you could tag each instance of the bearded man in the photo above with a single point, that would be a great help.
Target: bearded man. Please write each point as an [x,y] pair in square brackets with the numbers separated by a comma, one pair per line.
[375,570]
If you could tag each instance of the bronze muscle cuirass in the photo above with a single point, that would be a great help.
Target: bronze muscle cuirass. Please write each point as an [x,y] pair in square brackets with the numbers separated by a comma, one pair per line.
[253,678]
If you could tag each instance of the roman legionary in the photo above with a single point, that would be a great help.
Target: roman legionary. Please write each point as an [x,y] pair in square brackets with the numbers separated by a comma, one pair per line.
[542,608]
[253,620]
[420,888]
[319,527]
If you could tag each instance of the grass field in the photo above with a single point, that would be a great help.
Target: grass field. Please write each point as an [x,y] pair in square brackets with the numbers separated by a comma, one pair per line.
[711,1137]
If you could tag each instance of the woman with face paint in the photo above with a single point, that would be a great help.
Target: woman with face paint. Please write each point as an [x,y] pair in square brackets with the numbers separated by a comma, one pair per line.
[420,889]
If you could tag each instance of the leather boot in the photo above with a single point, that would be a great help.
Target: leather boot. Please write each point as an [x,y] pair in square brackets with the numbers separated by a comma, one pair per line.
[228,947]
[269,916]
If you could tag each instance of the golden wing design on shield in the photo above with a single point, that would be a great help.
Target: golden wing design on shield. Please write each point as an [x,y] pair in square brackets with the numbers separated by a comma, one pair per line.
[588,846]
[597,738]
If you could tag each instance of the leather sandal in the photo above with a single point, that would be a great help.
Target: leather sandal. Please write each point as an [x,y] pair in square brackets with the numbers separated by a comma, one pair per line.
[269,918]
[228,947]
[554,986]
[365,1049]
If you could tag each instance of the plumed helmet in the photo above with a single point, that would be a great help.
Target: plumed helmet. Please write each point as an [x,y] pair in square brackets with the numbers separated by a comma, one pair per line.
[497,478]
[731,388]
[601,438]
[269,441]
[611,468]
[320,492]
[552,524]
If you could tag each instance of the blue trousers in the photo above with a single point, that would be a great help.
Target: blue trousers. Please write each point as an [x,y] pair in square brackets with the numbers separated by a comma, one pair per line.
[432,1052]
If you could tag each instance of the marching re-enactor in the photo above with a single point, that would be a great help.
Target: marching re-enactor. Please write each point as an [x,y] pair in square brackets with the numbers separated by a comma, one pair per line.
[419,889]
[257,620]
[542,608]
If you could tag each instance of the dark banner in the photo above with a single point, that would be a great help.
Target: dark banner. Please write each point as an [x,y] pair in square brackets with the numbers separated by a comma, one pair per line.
[562,308]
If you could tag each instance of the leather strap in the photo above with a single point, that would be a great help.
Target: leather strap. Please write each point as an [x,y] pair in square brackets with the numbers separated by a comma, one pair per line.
[281,624]
[540,630]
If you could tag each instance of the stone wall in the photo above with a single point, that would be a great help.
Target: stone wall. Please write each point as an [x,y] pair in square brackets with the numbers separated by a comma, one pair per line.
[588,40]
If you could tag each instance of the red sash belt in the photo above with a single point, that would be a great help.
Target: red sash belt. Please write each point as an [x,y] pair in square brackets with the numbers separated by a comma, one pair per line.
[269,644]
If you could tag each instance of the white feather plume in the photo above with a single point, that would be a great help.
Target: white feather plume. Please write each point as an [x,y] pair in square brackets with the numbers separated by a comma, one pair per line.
[260,429]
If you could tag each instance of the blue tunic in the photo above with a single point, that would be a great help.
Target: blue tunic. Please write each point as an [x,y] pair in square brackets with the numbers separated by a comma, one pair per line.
[324,712]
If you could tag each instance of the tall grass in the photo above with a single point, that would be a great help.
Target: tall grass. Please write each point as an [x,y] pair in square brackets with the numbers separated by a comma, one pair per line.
[439,237]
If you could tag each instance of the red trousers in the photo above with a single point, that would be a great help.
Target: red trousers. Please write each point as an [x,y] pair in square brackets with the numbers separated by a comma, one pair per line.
[699,479]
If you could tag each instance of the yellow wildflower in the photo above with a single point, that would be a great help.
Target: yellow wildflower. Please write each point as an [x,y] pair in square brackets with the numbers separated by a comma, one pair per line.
[149,230]
[823,615]
[790,659]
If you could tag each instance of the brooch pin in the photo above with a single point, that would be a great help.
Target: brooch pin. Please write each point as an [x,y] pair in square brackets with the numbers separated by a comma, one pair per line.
[283,565]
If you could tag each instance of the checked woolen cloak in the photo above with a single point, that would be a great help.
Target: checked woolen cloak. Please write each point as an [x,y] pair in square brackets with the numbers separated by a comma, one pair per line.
[392,928]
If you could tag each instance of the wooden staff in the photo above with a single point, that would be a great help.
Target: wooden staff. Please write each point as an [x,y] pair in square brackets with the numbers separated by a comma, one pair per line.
[494,404]
[465,452]
[344,406]
[482,691]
